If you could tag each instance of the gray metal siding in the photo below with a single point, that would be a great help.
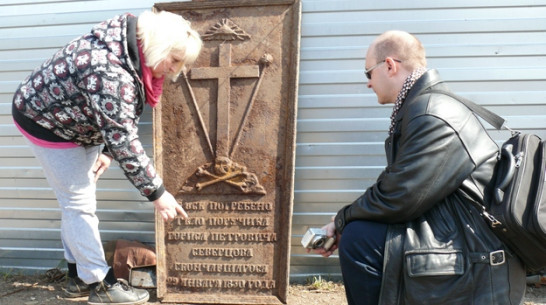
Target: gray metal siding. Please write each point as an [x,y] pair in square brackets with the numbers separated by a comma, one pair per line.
[493,52]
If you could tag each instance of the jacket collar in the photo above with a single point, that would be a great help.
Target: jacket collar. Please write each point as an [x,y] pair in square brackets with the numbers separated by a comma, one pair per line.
[427,80]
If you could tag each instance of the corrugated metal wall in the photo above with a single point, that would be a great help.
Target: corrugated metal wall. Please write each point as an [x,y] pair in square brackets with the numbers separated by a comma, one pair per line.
[493,52]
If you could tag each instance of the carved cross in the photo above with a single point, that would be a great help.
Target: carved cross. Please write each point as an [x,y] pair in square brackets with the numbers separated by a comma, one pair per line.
[224,73]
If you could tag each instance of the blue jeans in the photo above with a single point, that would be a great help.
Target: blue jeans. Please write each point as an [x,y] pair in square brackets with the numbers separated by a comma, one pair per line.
[361,257]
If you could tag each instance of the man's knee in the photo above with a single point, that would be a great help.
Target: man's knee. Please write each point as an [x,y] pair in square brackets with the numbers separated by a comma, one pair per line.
[363,237]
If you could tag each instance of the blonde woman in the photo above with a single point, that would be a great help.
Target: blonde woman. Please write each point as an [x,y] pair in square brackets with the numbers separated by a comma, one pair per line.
[80,109]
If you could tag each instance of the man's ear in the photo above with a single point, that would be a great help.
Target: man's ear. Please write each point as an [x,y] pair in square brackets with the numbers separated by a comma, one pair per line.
[392,66]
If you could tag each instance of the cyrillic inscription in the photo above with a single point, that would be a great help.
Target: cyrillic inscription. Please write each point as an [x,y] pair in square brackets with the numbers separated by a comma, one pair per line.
[241,206]
[222,252]
[223,221]
[222,215]
[220,283]
[244,237]
[217,236]
[192,221]
[220,268]
[194,206]
[238,221]
[187,236]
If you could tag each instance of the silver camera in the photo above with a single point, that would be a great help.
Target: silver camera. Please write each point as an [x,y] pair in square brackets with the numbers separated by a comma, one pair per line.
[316,238]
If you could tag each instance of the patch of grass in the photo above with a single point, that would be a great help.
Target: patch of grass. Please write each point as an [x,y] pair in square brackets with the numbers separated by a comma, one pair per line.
[5,274]
[319,283]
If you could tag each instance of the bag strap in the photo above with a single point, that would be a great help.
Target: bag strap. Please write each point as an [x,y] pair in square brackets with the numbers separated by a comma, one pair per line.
[490,117]
[495,121]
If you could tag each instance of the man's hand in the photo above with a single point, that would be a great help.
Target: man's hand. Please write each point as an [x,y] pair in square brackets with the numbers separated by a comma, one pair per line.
[168,208]
[330,231]
[102,164]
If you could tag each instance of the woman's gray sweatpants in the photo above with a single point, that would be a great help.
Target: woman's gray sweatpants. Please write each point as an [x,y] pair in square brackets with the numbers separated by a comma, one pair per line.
[69,171]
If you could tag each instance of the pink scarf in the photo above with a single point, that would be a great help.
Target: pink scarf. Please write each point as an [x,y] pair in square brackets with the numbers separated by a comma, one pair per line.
[152,86]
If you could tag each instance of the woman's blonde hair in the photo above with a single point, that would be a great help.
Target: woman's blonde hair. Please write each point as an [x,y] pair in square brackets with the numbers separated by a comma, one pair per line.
[164,33]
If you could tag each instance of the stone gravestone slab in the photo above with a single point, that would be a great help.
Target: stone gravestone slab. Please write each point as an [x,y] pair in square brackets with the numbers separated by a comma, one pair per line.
[224,143]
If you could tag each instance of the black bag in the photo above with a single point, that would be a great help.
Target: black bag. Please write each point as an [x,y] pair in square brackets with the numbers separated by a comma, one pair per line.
[517,211]
[519,203]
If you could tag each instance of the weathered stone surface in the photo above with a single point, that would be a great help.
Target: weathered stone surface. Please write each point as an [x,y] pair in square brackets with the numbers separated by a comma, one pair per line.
[224,142]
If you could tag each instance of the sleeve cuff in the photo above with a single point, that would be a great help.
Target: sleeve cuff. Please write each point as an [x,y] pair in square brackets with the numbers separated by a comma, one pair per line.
[339,221]
[155,195]
[106,151]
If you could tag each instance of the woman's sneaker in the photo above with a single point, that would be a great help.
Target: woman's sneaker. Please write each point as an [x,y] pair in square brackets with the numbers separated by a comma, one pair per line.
[119,293]
[75,288]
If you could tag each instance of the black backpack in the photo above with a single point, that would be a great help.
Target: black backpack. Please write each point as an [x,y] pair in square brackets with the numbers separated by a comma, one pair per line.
[517,210]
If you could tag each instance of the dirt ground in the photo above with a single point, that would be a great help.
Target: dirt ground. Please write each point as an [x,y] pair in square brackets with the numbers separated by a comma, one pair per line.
[43,290]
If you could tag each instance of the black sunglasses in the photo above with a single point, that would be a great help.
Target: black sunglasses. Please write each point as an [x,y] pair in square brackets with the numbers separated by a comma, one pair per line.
[368,72]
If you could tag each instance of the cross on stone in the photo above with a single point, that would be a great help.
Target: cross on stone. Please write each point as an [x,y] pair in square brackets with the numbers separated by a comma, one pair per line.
[224,73]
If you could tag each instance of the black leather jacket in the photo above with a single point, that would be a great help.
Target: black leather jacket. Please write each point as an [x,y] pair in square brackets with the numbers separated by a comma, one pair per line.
[438,248]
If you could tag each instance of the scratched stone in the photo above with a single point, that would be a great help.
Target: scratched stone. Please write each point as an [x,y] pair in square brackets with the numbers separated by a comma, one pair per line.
[224,143]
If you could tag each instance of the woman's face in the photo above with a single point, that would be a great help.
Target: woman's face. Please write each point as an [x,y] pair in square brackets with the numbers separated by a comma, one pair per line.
[170,66]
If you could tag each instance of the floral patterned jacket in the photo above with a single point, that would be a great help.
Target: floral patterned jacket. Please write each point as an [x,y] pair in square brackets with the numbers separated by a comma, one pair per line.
[90,93]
